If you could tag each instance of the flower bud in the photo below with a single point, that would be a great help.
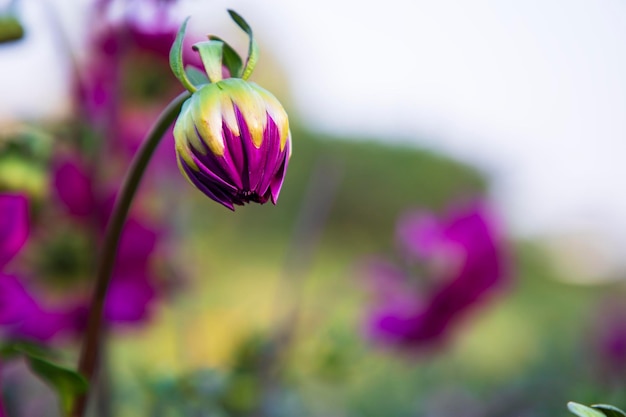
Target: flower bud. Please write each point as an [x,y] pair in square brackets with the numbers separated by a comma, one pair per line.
[232,136]
[233,142]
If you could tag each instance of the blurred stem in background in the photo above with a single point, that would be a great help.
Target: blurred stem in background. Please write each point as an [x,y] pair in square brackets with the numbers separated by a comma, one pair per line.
[92,338]
[310,223]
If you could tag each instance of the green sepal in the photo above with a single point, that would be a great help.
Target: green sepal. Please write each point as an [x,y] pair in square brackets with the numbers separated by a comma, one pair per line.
[176,59]
[197,77]
[583,411]
[230,58]
[211,54]
[253,48]
[67,383]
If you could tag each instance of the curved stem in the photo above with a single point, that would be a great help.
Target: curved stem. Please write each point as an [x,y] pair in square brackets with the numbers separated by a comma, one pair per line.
[91,341]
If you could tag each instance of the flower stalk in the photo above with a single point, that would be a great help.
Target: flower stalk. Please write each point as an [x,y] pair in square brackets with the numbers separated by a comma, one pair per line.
[92,339]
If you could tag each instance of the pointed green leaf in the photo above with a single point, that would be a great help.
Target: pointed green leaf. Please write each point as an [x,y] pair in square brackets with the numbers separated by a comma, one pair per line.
[11,350]
[609,410]
[231,58]
[176,58]
[67,383]
[211,55]
[197,77]
[583,411]
[253,49]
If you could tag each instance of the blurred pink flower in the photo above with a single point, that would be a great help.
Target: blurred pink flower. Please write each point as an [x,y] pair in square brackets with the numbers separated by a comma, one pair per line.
[132,287]
[144,27]
[132,291]
[463,259]
[607,342]
[13,225]
[20,313]
[73,186]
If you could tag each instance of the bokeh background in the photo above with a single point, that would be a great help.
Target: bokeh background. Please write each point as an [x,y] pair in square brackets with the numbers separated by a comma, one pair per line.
[394,106]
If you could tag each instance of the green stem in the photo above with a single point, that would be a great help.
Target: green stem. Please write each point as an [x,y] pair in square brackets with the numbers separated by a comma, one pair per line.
[91,340]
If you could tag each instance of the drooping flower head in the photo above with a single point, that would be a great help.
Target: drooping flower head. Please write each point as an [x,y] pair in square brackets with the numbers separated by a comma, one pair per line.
[232,137]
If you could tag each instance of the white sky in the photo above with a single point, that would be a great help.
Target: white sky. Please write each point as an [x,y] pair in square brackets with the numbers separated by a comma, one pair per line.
[533,91]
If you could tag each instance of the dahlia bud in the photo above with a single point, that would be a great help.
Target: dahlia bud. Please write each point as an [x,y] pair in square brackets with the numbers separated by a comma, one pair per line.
[232,136]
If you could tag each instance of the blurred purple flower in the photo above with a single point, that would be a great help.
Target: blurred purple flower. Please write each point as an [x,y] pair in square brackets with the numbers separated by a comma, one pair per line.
[463,259]
[73,186]
[132,286]
[143,27]
[13,225]
[24,317]
[608,342]
[133,128]
[20,314]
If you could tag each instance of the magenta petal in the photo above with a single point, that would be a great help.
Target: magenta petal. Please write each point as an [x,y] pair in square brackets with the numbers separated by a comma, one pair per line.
[74,187]
[15,302]
[23,316]
[279,178]
[132,287]
[129,298]
[137,243]
[13,225]
[419,234]
[471,232]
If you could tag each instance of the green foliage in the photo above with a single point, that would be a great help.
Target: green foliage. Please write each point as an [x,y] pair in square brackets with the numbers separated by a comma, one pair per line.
[196,76]
[11,29]
[24,157]
[609,410]
[253,48]
[211,53]
[597,410]
[176,59]
[231,58]
[583,411]
[67,383]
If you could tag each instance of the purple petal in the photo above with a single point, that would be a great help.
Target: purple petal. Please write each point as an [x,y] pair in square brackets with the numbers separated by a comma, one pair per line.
[131,288]
[279,178]
[74,187]
[273,162]
[137,244]
[469,230]
[255,157]
[13,225]
[23,316]
[419,234]
[214,192]
[129,298]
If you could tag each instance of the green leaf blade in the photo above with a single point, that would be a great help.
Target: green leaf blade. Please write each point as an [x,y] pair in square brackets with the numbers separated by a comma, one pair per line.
[211,53]
[609,410]
[176,58]
[231,58]
[583,411]
[197,77]
[253,48]
[67,383]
